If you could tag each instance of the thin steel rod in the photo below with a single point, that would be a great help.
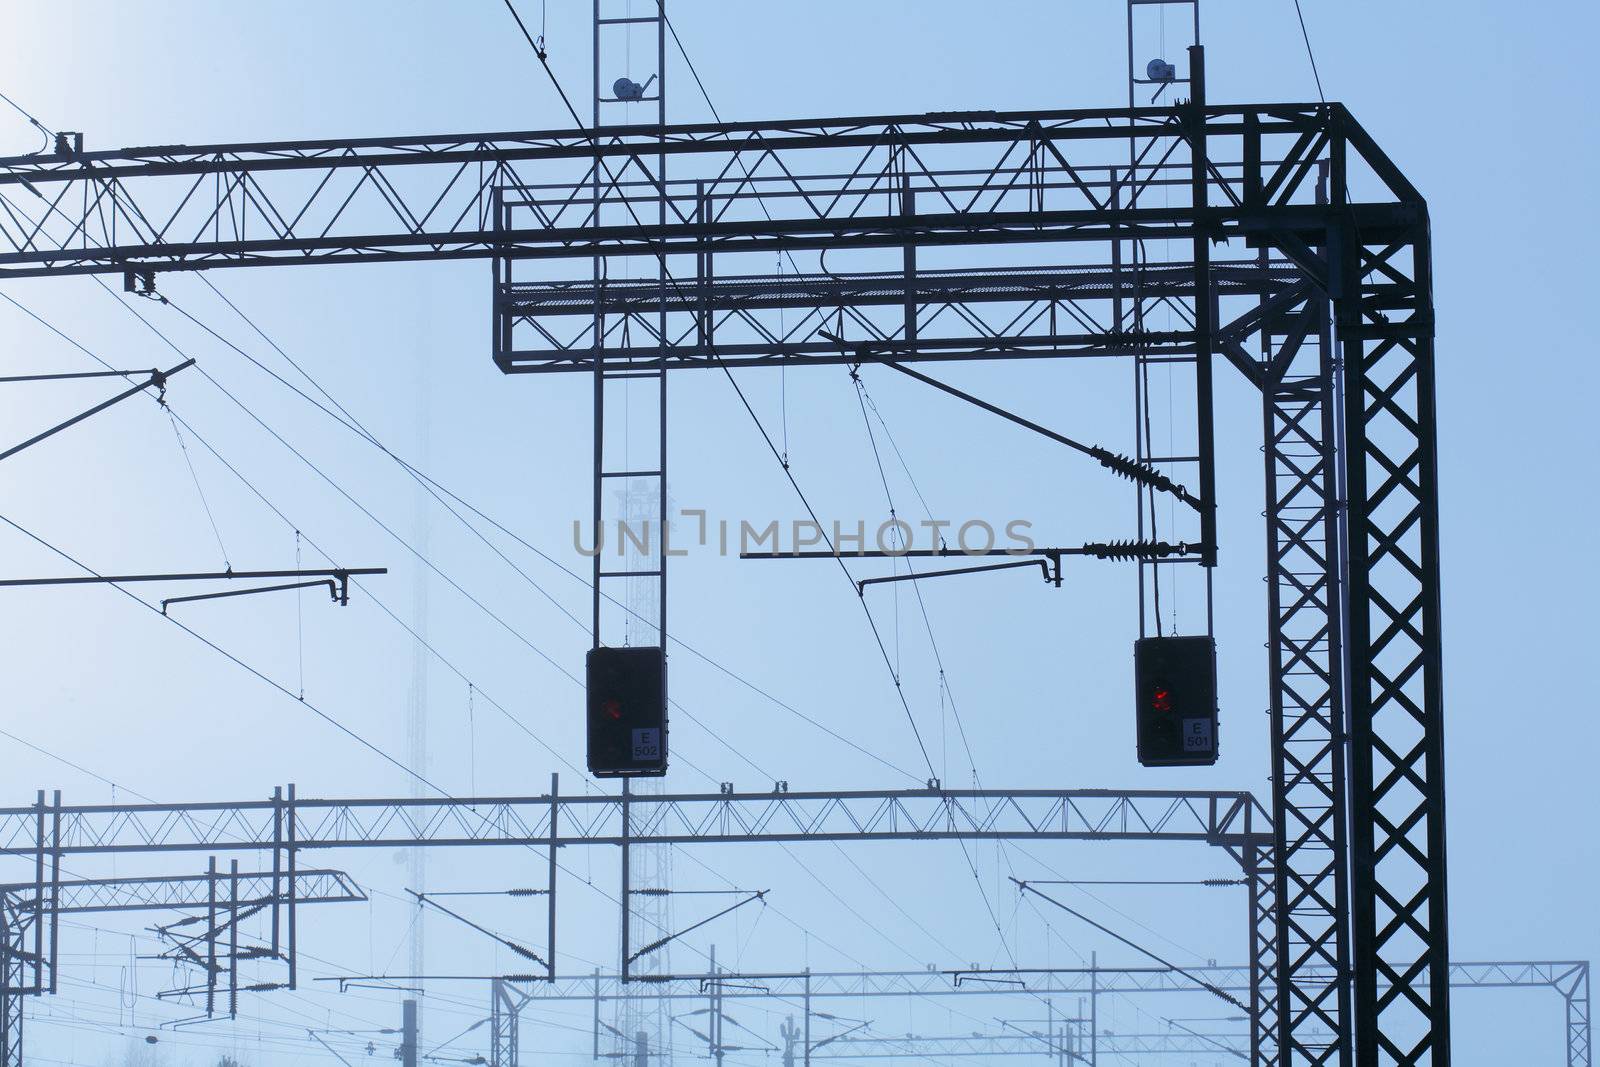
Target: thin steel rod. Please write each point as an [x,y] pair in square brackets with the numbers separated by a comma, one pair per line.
[914,576]
[760,894]
[1100,455]
[333,592]
[73,375]
[1208,986]
[192,576]
[1107,549]
[521,950]
[157,379]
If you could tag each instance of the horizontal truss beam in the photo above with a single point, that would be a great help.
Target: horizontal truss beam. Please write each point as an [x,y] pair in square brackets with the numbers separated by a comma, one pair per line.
[1556,975]
[1216,818]
[187,208]
[164,893]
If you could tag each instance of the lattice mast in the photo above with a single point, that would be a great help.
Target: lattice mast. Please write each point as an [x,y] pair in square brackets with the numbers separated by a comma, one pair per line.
[629,82]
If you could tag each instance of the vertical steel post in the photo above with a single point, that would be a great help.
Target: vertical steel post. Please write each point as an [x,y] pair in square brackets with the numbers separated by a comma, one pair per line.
[277,862]
[626,911]
[555,808]
[661,332]
[38,893]
[599,274]
[1199,183]
[233,939]
[808,1017]
[211,936]
[1094,1009]
[294,956]
[55,885]
[408,1034]
[713,1030]
[908,210]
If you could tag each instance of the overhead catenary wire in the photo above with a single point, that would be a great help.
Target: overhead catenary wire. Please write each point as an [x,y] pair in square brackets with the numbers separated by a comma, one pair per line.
[48,133]
[385,527]
[234,470]
[539,51]
[783,461]
[165,301]
[1306,36]
[75,766]
[696,79]
[944,687]
[206,504]
[383,606]
[267,679]
[340,726]
[301,1014]
[207,444]
[1210,987]
[341,415]
[863,400]
[399,621]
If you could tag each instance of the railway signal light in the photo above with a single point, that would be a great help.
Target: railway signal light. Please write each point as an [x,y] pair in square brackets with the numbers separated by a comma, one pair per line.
[1175,679]
[627,712]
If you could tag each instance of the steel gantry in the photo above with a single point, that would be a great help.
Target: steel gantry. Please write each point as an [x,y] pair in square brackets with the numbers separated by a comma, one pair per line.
[39,837]
[288,824]
[798,990]
[1303,259]
[217,901]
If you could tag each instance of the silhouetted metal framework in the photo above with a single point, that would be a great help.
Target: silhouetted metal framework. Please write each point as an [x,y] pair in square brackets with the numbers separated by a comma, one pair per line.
[218,899]
[504,1025]
[1061,1046]
[1322,299]
[799,989]
[286,825]
[1569,978]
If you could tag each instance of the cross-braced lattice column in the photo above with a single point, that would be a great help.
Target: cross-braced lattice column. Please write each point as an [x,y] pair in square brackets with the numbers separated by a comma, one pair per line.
[19,976]
[1576,990]
[1304,592]
[503,1026]
[1261,877]
[1382,289]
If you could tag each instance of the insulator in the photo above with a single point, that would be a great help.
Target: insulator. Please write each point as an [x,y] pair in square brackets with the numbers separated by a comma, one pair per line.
[1134,549]
[1133,470]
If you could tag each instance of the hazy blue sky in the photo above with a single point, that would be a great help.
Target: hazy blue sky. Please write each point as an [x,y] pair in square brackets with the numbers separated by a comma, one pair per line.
[1488,110]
